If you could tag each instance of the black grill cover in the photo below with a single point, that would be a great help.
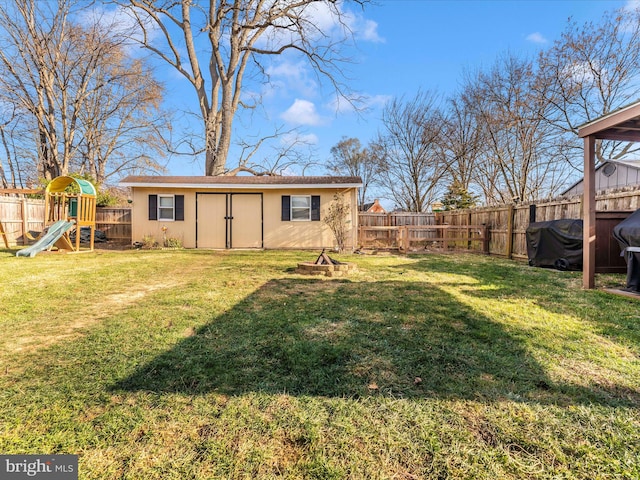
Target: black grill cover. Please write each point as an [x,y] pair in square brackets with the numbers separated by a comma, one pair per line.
[555,244]
[627,233]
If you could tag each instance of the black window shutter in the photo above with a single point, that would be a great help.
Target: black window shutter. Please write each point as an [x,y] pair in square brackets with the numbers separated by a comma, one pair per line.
[179,204]
[315,208]
[286,208]
[153,207]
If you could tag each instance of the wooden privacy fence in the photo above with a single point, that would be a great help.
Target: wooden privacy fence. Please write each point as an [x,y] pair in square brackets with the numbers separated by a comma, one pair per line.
[498,230]
[115,223]
[18,216]
[418,231]
[508,224]
[383,230]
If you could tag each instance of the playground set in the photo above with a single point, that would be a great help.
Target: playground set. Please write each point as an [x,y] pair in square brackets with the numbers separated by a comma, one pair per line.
[70,203]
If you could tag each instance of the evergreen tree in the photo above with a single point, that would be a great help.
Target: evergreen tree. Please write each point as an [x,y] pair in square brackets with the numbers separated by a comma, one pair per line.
[458,197]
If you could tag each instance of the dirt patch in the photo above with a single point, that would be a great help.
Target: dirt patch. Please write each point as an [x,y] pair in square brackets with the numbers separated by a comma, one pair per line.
[82,318]
[130,297]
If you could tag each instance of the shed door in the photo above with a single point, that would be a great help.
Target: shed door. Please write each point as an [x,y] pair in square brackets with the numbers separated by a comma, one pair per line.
[246,221]
[211,224]
[229,220]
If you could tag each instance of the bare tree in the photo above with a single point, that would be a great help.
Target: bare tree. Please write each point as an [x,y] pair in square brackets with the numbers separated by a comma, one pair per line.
[123,126]
[349,158]
[461,142]
[293,151]
[26,53]
[413,163]
[67,79]
[240,36]
[8,149]
[590,71]
[520,159]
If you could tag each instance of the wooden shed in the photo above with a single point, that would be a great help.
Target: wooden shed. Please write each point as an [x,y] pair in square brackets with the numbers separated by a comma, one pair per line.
[271,212]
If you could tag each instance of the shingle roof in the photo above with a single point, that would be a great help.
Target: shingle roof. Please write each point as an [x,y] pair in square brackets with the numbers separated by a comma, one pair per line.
[239,181]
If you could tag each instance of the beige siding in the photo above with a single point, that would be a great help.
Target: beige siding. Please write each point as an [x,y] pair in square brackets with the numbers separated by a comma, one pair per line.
[141,226]
[278,234]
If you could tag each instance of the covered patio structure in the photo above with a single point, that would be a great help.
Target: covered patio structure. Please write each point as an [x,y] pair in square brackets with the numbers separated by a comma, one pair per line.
[622,125]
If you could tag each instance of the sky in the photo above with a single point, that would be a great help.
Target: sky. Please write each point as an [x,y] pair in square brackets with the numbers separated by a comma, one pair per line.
[403,47]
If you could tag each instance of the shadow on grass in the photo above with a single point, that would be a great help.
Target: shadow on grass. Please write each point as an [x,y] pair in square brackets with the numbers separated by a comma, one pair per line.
[614,316]
[348,339]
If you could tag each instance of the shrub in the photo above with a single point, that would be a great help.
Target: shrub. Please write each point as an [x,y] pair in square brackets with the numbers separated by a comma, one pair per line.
[173,242]
[337,220]
[149,242]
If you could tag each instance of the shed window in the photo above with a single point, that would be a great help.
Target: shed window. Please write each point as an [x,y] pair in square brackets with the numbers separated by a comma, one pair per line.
[301,208]
[166,207]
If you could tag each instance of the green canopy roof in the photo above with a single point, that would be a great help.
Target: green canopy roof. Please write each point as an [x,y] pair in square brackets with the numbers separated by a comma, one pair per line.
[59,184]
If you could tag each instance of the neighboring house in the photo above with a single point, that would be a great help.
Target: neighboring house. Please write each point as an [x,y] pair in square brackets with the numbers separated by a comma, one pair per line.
[240,212]
[609,175]
[372,207]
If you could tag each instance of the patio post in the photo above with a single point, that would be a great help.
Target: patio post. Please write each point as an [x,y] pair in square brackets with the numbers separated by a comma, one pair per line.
[589,213]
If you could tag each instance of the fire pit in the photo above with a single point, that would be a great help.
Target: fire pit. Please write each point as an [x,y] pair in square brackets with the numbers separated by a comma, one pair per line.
[325,265]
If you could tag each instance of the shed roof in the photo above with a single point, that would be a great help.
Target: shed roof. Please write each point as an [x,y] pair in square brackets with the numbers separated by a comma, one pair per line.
[240,182]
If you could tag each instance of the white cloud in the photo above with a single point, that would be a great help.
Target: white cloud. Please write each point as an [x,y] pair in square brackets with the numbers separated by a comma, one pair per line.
[369,31]
[362,28]
[340,104]
[537,37]
[297,138]
[333,18]
[288,70]
[377,101]
[321,21]
[294,77]
[302,112]
[631,9]
[632,5]
[584,72]
[120,22]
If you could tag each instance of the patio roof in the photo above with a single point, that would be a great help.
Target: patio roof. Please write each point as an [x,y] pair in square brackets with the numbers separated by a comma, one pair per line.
[622,125]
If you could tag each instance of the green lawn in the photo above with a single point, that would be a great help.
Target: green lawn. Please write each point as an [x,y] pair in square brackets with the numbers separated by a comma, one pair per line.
[182,365]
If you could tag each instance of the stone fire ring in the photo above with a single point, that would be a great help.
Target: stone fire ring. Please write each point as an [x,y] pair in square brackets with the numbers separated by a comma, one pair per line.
[336,270]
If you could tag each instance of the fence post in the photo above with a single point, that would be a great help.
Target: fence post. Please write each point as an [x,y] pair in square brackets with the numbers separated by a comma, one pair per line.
[510,215]
[469,233]
[532,213]
[407,242]
[485,239]
[25,220]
